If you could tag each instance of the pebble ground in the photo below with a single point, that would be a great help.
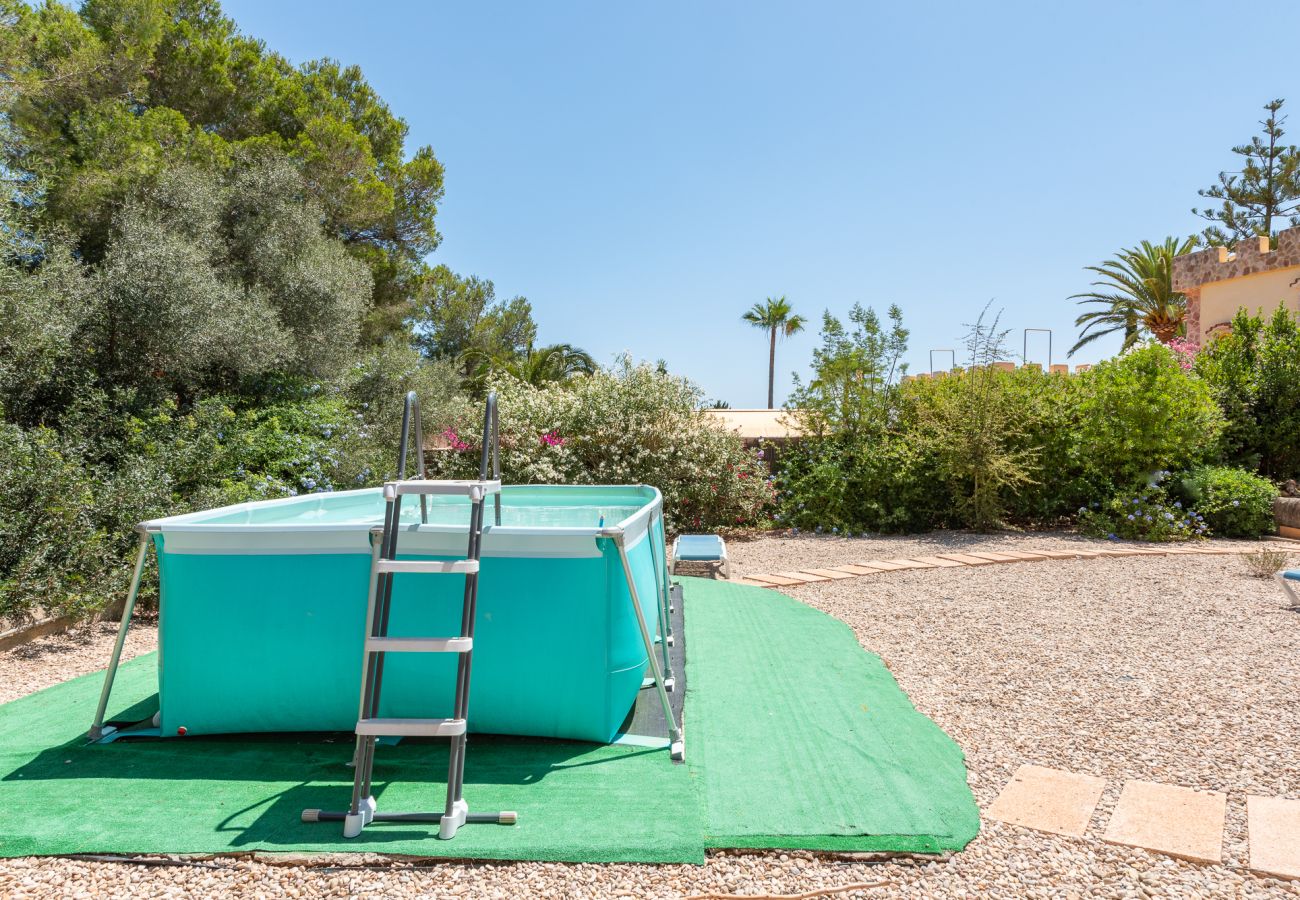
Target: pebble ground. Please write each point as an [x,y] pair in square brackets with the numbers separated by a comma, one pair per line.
[1178,669]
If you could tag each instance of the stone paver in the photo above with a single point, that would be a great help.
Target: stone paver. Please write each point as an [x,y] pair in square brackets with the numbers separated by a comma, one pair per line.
[1048,800]
[828,573]
[1178,821]
[1273,824]
[776,580]
[967,559]
[939,562]
[995,557]
[803,577]
[858,570]
[1023,555]
[881,565]
[911,563]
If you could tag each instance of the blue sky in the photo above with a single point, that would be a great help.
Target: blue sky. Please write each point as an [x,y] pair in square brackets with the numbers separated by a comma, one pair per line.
[644,172]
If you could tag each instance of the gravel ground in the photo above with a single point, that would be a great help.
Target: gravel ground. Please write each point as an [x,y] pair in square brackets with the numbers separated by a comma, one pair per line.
[1179,669]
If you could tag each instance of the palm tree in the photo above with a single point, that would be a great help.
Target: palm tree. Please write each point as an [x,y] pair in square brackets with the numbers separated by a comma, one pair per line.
[552,363]
[1138,294]
[774,316]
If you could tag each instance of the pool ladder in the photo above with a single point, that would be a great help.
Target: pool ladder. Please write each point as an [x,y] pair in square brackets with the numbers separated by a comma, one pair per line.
[384,564]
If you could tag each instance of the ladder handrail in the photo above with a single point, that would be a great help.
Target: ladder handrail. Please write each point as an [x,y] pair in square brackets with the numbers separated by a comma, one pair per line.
[411,410]
[492,438]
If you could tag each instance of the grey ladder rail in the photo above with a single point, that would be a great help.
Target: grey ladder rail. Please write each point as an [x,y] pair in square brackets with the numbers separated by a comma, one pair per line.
[384,564]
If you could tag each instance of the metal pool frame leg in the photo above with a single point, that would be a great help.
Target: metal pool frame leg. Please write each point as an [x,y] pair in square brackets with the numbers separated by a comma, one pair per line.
[677,747]
[665,619]
[97,728]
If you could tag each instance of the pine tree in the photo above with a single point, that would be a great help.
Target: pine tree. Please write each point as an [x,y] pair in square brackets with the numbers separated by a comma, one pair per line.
[1264,194]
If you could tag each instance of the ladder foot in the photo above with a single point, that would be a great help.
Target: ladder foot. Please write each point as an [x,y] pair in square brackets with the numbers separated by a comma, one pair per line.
[450,824]
[352,825]
[670,640]
[669,684]
[678,751]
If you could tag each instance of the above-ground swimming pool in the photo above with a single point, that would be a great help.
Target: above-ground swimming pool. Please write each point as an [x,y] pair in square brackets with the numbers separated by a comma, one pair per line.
[263,607]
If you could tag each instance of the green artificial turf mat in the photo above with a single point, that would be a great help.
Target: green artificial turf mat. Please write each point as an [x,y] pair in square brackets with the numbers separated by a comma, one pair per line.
[576,801]
[795,736]
[798,738]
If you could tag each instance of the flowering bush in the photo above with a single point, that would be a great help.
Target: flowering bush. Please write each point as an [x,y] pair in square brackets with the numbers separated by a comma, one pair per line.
[1144,515]
[1235,503]
[1185,352]
[628,425]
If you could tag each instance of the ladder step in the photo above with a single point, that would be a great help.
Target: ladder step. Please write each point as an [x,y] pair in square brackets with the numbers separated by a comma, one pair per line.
[412,727]
[419,644]
[464,487]
[429,566]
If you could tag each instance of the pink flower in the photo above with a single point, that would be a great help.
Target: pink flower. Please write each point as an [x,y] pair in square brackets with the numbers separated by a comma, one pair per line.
[552,439]
[453,439]
[1185,351]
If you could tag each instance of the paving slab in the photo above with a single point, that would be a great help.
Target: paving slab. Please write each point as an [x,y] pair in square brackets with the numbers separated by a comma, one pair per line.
[802,577]
[1024,555]
[775,580]
[828,573]
[1048,800]
[857,570]
[1058,554]
[752,583]
[995,557]
[938,562]
[1174,820]
[1274,827]
[967,559]
[882,565]
[912,563]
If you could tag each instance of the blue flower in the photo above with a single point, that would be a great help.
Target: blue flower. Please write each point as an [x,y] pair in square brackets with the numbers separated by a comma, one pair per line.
[1236,503]
[1112,536]
[1131,517]
[1178,503]
[835,530]
[794,530]
[1169,516]
[818,529]
[1082,510]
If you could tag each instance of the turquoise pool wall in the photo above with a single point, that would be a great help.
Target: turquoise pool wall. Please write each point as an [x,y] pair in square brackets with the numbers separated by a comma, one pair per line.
[272,641]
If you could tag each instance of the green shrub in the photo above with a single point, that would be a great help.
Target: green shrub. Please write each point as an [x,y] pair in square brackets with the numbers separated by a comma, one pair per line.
[62,551]
[1147,514]
[1254,373]
[629,425]
[1047,408]
[1140,413]
[1234,502]
[843,486]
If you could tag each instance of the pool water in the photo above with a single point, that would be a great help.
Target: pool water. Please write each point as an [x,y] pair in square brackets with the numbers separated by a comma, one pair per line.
[521,506]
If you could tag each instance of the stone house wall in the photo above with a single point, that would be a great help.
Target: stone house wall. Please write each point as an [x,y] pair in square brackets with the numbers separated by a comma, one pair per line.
[1194,271]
